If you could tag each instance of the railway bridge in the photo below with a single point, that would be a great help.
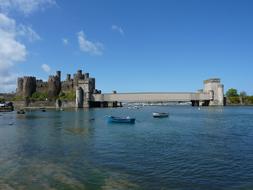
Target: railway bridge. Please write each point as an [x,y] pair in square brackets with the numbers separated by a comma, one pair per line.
[211,95]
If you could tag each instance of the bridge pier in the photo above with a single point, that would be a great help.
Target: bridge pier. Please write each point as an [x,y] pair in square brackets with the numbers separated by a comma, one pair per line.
[205,103]
[195,103]
[200,103]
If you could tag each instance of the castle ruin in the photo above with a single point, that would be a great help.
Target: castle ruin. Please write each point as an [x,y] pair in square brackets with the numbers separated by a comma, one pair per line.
[28,85]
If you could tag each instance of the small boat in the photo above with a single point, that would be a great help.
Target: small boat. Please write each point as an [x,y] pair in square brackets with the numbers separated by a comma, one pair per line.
[112,119]
[160,115]
[21,111]
[43,109]
[6,107]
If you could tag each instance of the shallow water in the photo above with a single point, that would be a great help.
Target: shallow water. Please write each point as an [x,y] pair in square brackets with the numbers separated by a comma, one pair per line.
[211,148]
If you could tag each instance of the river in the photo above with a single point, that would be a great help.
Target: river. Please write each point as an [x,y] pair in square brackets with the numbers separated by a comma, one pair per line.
[210,148]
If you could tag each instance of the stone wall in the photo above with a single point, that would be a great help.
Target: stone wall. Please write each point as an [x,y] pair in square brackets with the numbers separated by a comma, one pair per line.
[18,104]
[67,86]
[38,104]
[41,86]
[68,104]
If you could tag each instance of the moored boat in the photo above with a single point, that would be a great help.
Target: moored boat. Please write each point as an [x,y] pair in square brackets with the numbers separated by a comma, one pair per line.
[21,111]
[160,115]
[112,119]
[6,107]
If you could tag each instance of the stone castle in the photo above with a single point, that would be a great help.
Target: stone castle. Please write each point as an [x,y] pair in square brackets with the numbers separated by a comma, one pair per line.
[28,85]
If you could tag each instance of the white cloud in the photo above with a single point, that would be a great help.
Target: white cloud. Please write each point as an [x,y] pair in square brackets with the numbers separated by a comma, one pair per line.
[7,80]
[94,48]
[28,32]
[65,41]
[46,68]
[11,52]
[118,29]
[25,6]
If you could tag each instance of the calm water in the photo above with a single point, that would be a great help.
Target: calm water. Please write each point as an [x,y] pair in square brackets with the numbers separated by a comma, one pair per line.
[193,149]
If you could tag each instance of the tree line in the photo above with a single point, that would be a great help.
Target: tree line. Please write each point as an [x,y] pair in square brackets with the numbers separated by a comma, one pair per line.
[233,97]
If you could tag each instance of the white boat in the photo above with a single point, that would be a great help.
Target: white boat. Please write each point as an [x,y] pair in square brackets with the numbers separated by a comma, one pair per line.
[160,115]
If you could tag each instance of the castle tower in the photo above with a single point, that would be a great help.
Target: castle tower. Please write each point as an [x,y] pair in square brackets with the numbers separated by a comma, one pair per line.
[29,86]
[79,74]
[54,86]
[68,78]
[86,75]
[20,86]
[58,74]
[216,89]
[92,85]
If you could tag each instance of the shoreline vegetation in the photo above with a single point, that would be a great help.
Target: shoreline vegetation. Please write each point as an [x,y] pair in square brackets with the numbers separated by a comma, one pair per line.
[234,98]
[38,96]
[38,100]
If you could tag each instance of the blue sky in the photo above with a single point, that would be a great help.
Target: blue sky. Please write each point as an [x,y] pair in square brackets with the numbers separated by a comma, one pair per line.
[156,45]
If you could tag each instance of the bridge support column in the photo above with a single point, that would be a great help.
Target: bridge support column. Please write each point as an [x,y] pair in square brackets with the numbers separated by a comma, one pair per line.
[204,103]
[195,103]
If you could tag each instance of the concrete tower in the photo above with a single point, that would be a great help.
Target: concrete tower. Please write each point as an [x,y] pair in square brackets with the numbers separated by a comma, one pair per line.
[216,89]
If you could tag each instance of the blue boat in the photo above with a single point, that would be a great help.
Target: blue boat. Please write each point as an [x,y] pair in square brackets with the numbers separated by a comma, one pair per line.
[112,119]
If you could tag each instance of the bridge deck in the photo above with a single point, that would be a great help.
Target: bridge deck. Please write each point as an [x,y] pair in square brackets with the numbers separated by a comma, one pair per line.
[152,97]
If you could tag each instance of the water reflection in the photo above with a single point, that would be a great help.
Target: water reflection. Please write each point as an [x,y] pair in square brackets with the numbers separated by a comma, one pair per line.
[82,123]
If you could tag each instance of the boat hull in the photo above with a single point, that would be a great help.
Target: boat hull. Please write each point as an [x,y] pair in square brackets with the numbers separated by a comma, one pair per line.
[121,120]
[160,115]
[6,109]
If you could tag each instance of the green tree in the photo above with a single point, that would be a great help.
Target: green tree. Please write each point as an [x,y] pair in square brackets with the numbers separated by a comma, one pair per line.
[232,93]
[70,96]
[17,98]
[39,96]
[234,100]
[250,99]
